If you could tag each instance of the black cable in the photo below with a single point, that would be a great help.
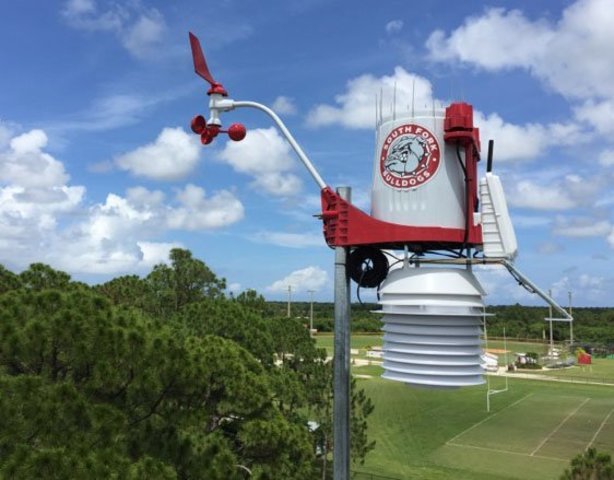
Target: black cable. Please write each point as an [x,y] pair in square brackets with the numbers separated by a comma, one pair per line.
[464,168]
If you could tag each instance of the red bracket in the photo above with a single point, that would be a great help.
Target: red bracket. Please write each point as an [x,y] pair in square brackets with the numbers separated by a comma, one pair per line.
[347,226]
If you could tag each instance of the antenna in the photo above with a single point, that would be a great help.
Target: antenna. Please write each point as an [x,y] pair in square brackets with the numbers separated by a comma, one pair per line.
[413,97]
[394,101]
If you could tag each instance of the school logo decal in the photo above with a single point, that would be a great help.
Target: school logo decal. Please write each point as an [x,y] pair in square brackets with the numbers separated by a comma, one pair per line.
[410,157]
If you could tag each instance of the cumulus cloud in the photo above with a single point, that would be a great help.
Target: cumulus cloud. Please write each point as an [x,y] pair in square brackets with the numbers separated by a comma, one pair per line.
[355,108]
[265,156]
[394,26]
[288,239]
[548,193]
[116,235]
[44,218]
[606,158]
[554,52]
[172,156]
[199,212]
[581,227]
[284,105]
[523,142]
[138,28]
[33,191]
[310,278]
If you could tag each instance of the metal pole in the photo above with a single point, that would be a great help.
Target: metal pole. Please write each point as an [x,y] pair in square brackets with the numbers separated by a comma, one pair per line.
[550,321]
[311,313]
[571,322]
[341,361]
[289,299]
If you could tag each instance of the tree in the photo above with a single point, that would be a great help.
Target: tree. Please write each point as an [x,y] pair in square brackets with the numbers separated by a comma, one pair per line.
[39,276]
[590,465]
[8,280]
[96,391]
[186,280]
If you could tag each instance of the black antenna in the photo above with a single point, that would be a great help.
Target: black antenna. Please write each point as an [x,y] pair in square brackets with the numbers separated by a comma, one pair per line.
[491,146]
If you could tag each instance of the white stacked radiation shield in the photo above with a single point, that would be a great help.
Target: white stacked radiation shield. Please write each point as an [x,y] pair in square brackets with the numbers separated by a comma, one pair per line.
[432,326]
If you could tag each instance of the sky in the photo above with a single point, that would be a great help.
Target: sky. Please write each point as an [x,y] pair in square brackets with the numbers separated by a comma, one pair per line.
[100,175]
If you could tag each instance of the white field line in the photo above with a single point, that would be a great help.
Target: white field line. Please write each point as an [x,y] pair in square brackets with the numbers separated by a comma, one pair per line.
[487,418]
[605,420]
[509,452]
[556,429]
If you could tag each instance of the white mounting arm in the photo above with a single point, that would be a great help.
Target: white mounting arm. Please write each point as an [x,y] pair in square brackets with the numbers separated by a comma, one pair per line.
[219,104]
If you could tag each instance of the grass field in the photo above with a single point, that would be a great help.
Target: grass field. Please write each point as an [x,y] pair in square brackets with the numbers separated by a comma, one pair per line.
[532,432]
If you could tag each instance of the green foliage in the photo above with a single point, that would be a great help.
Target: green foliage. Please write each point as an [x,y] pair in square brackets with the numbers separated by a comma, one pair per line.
[590,465]
[156,378]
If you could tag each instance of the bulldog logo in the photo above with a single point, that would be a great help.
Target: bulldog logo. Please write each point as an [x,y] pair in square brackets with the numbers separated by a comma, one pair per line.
[410,157]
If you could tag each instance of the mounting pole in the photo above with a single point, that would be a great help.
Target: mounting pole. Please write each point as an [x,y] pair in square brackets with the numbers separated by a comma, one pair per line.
[341,361]
[289,299]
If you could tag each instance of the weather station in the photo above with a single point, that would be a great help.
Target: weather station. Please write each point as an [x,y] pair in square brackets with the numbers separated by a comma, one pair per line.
[432,219]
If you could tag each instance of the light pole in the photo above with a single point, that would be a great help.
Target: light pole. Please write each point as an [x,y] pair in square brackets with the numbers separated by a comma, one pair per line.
[571,322]
[311,292]
[550,321]
[289,299]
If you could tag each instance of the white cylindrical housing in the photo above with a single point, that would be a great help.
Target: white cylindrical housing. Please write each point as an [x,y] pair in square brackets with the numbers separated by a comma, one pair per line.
[432,327]
[417,178]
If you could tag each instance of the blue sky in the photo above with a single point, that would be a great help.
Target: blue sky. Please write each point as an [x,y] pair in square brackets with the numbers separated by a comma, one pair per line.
[100,174]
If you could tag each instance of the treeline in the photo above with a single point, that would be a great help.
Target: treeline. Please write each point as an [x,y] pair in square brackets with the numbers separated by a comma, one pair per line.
[162,377]
[591,324]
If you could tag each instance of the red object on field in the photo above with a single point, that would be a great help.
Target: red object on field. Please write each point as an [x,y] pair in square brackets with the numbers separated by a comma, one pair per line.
[584,359]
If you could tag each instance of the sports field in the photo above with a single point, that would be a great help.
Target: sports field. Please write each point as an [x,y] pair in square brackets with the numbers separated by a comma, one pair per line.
[532,432]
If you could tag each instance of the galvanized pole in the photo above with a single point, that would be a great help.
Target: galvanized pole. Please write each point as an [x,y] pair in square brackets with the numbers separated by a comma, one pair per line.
[341,361]
[311,312]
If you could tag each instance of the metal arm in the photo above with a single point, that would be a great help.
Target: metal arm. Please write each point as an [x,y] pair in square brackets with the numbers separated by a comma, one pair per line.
[525,281]
[299,151]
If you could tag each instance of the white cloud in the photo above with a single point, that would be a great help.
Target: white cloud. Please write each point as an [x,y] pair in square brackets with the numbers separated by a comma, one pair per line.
[117,235]
[581,227]
[139,29]
[356,109]
[291,240]
[556,53]
[523,142]
[267,157]
[606,158]
[599,114]
[144,34]
[611,238]
[43,217]
[356,106]
[172,156]
[548,193]
[199,212]
[310,278]
[284,106]
[549,248]
[394,26]
[528,194]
